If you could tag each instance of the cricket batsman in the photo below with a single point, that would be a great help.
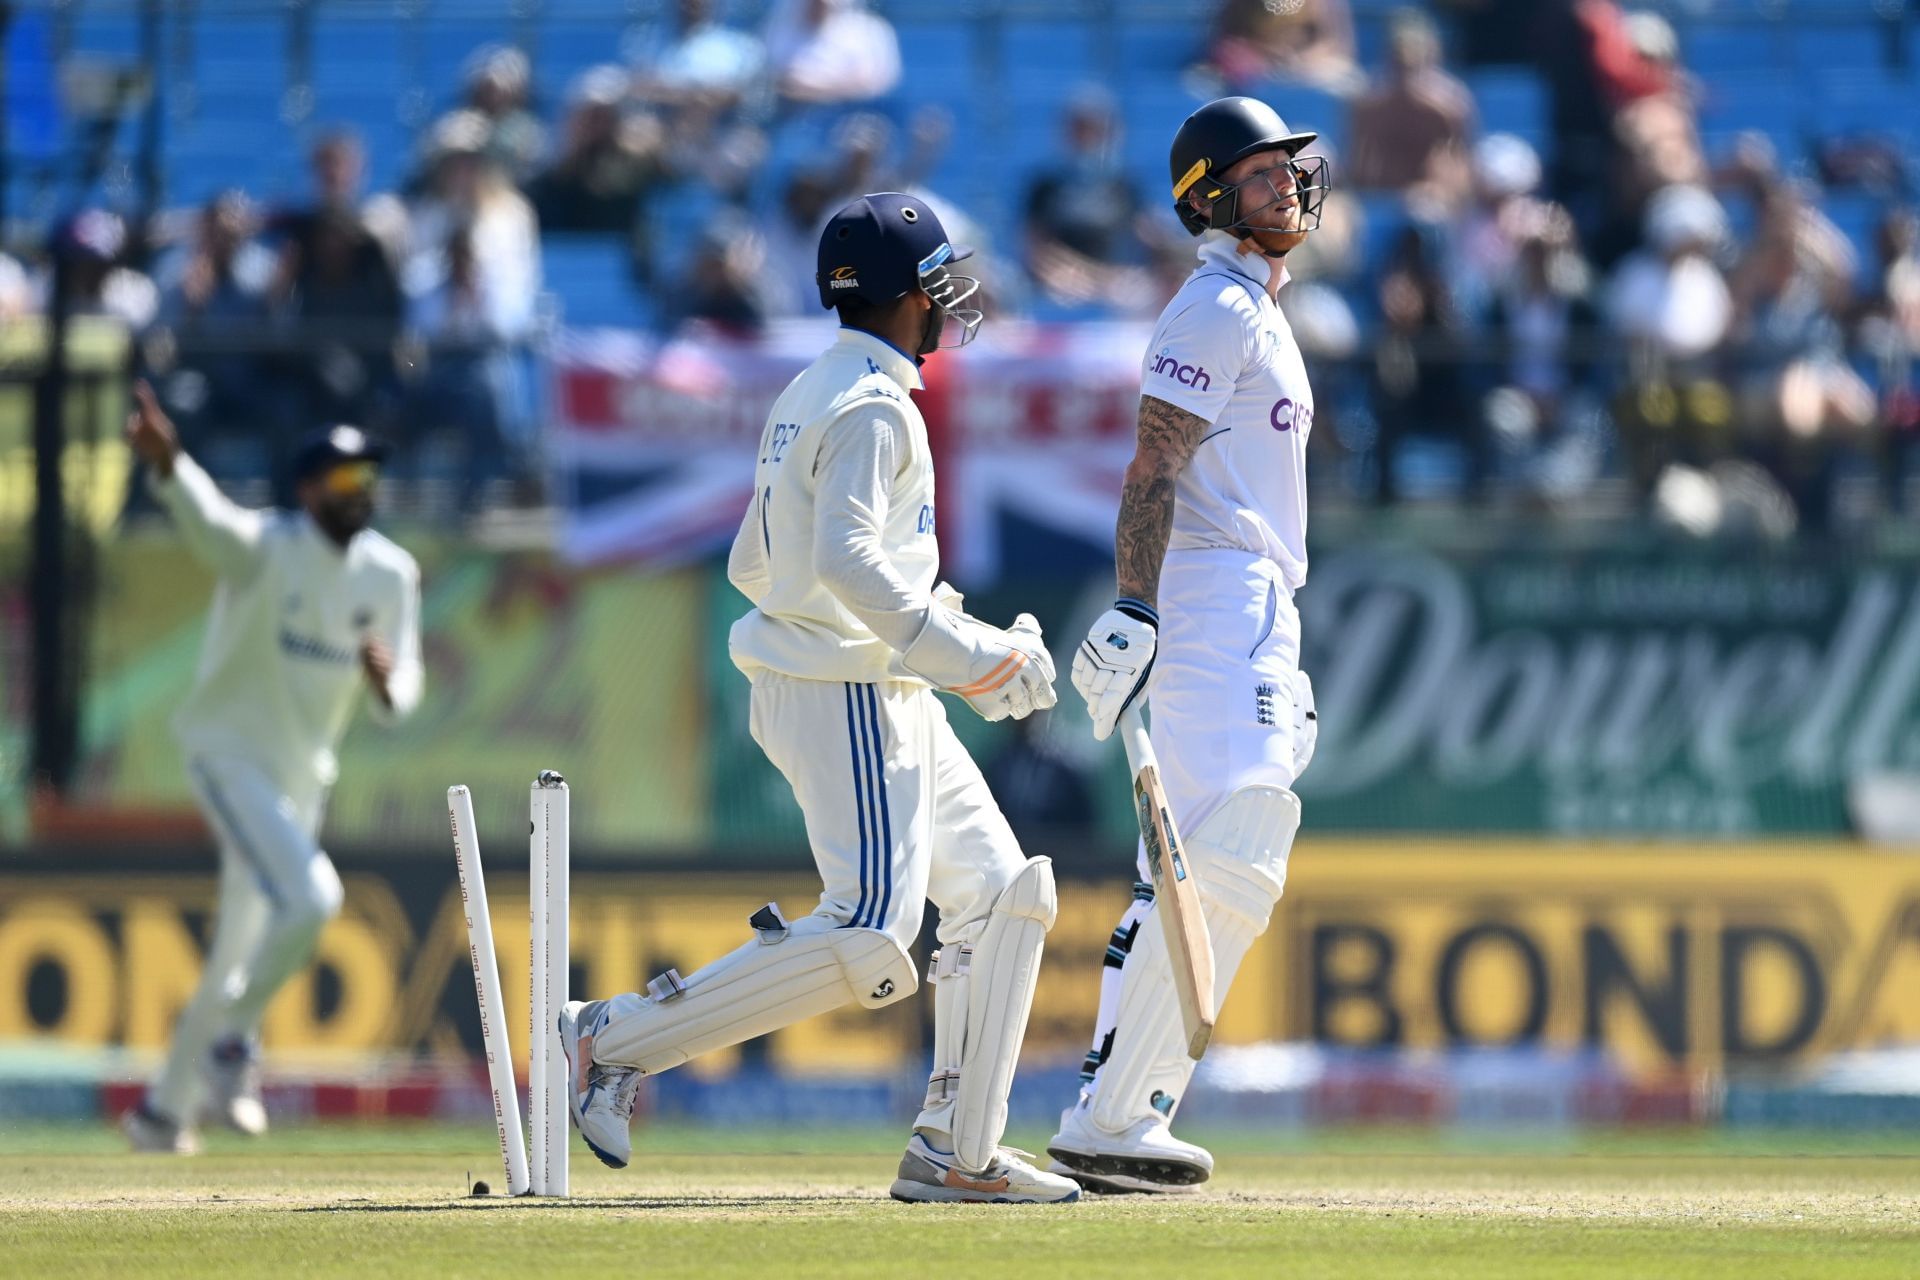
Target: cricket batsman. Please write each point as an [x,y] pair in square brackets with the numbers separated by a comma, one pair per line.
[848,638]
[1209,548]
[311,609]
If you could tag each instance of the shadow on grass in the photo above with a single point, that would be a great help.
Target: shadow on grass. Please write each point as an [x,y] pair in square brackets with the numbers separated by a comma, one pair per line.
[474,1204]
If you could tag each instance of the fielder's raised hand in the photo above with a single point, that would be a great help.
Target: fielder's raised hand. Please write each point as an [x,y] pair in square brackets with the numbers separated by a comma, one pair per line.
[1114,661]
[150,433]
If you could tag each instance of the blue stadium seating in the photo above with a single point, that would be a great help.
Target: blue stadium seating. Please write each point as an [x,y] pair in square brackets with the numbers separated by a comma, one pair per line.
[1794,69]
[592,276]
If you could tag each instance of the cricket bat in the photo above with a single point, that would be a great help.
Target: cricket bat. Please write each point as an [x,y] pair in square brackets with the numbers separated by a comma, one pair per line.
[1175,892]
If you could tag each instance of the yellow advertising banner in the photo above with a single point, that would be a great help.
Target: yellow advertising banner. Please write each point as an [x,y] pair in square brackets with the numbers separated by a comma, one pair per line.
[1664,958]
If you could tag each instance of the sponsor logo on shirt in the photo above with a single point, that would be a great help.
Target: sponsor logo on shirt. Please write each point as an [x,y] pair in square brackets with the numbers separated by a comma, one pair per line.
[1168,365]
[1287,415]
[296,646]
[926,518]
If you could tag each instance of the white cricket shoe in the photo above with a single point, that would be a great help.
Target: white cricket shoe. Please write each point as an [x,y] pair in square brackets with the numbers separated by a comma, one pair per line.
[1147,1157]
[232,1074]
[148,1130]
[929,1175]
[600,1097]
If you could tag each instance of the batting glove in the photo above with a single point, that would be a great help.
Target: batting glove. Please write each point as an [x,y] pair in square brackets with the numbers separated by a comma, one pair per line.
[1111,669]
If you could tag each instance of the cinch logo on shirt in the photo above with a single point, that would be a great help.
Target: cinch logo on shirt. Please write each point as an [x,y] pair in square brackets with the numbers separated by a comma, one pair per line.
[1287,415]
[1187,375]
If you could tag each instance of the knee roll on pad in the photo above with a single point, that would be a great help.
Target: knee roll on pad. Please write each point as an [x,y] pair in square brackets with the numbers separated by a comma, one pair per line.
[1239,856]
[755,989]
[1240,853]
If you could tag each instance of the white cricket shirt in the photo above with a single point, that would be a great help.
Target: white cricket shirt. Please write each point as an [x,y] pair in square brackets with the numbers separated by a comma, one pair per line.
[1223,352]
[280,667]
[837,549]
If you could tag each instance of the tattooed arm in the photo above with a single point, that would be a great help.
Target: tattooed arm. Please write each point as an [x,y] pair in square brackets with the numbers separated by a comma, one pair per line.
[1168,437]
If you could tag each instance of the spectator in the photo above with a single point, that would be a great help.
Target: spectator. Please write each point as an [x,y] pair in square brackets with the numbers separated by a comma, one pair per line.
[1418,377]
[1544,329]
[1799,397]
[1506,173]
[1672,304]
[1410,132]
[606,162]
[216,308]
[793,241]
[499,89]
[1308,41]
[721,286]
[1672,297]
[1888,327]
[98,281]
[337,165]
[472,384]
[1086,238]
[342,295]
[1491,33]
[700,62]
[831,51]
[468,192]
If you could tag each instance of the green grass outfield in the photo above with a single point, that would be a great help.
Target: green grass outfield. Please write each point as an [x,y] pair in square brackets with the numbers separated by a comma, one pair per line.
[379,1203]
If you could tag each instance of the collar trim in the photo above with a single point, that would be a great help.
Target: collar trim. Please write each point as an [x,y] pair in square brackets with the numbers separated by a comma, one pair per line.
[891,360]
[1222,250]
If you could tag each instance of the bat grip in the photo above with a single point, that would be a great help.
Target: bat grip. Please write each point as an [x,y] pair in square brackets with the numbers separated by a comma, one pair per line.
[1133,736]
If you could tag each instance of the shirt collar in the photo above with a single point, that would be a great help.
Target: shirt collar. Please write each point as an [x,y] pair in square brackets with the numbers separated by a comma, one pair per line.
[884,356]
[1222,250]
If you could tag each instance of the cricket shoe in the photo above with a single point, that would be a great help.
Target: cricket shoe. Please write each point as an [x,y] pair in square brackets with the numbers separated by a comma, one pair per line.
[233,1088]
[148,1130]
[929,1175]
[599,1096]
[1146,1157]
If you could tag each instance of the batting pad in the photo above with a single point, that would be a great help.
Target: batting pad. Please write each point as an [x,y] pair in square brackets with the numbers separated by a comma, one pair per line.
[754,989]
[983,993]
[1239,856]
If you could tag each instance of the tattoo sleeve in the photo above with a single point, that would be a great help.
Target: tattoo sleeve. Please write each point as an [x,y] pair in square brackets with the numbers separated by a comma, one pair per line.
[1167,439]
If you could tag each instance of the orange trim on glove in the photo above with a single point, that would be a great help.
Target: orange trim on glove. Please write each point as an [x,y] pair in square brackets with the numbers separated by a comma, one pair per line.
[994,678]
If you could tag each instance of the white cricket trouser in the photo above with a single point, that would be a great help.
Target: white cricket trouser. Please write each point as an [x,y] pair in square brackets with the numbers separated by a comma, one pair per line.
[896,811]
[1221,714]
[278,889]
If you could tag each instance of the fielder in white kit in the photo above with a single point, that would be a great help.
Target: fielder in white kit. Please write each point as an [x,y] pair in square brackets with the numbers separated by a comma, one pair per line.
[1209,548]
[312,610]
[847,641]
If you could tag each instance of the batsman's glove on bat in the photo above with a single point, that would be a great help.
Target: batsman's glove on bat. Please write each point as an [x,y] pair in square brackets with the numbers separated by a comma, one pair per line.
[1114,661]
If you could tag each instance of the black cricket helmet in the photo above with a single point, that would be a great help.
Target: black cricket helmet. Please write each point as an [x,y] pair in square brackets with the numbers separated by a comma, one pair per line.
[1220,135]
[880,246]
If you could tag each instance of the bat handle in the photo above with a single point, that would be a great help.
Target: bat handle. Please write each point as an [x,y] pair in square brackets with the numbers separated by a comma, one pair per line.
[1133,736]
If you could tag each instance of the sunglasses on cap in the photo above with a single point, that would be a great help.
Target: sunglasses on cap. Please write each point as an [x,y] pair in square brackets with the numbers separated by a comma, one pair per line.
[348,478]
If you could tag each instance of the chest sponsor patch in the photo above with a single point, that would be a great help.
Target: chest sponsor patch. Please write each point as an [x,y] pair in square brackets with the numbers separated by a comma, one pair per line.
[1286,415]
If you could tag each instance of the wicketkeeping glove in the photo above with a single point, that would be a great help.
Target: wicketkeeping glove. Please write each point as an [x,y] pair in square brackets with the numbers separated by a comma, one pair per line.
[999,672]
[1111,669]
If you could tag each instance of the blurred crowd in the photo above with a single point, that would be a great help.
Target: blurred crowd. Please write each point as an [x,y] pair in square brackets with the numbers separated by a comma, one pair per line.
[1626,304]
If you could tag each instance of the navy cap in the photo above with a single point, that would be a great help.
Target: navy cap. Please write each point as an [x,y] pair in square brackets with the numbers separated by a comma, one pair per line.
[879,247]
[333,445]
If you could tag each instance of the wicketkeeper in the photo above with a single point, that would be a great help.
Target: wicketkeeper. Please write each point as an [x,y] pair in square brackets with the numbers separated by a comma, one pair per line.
[847,641]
